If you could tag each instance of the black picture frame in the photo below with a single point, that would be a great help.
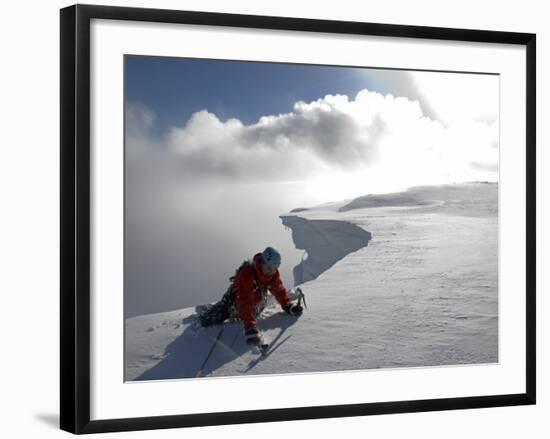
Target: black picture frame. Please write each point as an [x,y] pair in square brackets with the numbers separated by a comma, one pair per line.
[75,217]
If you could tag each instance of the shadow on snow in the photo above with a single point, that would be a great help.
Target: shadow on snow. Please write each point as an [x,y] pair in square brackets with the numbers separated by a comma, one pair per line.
[184,357]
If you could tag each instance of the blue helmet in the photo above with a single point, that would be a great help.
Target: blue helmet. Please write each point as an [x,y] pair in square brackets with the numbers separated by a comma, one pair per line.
[271,257]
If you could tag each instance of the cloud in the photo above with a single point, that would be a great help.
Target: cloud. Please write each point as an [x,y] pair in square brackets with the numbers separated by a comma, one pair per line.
[403,83]
[138,118]
[313,137]
[491,167]
[448,97]
[459,97]
[372,133]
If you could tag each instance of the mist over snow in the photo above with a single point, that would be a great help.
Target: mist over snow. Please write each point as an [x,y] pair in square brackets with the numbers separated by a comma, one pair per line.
[208,193]
[395,280]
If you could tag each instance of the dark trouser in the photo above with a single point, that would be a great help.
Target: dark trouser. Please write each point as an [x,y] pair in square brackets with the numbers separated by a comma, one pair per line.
[219,311]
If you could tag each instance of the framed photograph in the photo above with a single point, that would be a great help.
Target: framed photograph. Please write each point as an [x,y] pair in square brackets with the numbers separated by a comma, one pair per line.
[277,218]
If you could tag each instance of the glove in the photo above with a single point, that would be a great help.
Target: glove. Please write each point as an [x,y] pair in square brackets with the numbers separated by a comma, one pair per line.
[252,335]
[293,309]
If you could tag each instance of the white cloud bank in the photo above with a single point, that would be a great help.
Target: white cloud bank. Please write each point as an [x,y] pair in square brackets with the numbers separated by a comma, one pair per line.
[374,141]
[459,98]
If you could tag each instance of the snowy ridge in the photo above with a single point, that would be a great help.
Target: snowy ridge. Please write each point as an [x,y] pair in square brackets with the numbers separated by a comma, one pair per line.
[423,292]
[474,198]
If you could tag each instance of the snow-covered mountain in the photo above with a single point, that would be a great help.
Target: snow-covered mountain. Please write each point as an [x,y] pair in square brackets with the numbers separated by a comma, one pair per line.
[396,280]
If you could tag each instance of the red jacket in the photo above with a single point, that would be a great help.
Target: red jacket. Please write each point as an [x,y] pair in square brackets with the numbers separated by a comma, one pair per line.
[248,293]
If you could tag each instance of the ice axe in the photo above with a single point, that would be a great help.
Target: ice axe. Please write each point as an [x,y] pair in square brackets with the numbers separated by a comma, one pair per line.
[301,296]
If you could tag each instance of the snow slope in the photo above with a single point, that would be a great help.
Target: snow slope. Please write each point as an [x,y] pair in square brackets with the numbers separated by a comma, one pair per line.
[419,287]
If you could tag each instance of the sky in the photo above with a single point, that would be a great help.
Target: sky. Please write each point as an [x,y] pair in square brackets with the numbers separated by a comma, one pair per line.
[175,88]
[216,150]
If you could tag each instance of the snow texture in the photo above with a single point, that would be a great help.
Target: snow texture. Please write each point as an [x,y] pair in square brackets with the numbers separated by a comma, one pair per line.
[397,280]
